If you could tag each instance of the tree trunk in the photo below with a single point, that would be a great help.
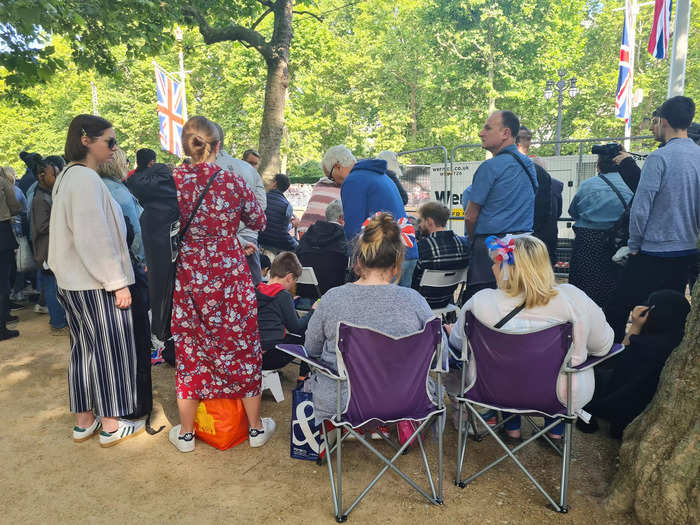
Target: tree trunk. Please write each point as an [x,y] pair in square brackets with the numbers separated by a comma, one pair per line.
[272,126]
[660,453]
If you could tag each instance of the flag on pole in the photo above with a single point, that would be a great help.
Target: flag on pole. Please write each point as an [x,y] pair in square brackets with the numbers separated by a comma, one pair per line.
[623,100]
[171,98]
[660,29]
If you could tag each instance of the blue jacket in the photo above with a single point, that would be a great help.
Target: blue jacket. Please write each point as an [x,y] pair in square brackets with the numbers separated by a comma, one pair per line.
[131,209]
[367,190]
[595,205]
[276,233]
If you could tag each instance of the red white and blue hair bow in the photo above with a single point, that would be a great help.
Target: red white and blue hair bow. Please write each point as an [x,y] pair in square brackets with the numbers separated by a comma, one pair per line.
[408,232]
[504,248]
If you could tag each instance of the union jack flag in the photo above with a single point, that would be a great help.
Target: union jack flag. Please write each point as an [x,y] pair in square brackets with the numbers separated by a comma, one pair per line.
[171,104]
[660,29]
[623,100]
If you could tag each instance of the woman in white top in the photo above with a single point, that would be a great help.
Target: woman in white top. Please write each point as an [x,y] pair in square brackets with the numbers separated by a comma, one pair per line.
[90,259]
[524,275]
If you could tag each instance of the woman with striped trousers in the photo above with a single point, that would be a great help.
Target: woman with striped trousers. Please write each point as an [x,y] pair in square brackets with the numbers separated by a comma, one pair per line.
[89,256]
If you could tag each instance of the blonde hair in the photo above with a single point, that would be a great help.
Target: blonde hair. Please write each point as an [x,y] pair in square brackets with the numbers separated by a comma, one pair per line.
[199,138]
[9,173]
[116,168]
[531,274]
[379,245]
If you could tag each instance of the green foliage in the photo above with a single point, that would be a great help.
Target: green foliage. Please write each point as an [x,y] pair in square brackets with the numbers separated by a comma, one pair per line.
[307,173]
[386,74]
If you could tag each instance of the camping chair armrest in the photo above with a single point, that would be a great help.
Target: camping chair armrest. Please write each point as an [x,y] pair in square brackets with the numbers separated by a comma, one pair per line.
[594,361]
[299,352]
[441,361]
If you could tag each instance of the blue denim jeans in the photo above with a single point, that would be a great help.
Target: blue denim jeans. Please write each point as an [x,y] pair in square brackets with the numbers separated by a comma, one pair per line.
[57,315]
[407,272]
[514,423]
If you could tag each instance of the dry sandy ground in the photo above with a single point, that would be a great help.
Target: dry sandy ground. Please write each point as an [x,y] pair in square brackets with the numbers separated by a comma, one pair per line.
[46,478]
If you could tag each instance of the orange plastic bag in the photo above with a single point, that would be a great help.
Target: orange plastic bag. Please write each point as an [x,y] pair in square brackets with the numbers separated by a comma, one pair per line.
[221,422]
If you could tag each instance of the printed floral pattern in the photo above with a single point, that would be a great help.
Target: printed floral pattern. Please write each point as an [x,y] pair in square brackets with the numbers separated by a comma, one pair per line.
[215,315]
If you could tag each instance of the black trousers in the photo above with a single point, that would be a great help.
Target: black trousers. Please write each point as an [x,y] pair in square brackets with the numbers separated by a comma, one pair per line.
[274,359]
[7,260]
[643,275]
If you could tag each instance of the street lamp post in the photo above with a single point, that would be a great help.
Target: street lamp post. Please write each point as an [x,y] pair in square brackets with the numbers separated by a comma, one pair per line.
[561,86]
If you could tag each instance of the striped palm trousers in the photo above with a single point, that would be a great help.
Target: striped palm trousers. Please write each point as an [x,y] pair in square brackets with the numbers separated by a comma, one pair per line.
[102,370]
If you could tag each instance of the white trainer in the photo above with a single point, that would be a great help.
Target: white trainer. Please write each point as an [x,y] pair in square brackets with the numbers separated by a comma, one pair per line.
[125,430]
[257,437]
[81,434]
[41,309]
[185,442]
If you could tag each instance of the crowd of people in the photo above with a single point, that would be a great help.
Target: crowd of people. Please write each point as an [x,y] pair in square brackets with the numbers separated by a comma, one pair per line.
[198,265]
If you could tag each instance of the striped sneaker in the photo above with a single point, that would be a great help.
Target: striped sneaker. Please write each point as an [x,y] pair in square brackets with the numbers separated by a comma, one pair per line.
[81,434]
[125,430]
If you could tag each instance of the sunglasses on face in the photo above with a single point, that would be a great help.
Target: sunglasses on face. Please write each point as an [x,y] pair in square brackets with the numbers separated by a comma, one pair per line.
[330,175]
[111,143]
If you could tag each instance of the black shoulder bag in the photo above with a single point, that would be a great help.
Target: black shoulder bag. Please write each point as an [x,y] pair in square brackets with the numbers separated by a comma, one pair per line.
[515,311]
[619,233]
[166,306]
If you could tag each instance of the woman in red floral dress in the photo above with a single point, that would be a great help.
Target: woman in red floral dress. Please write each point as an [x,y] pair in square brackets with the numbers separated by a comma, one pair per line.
[214,321]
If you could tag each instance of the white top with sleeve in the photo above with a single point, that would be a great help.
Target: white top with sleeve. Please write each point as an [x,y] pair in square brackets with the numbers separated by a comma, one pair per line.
[87,234]
[591,333]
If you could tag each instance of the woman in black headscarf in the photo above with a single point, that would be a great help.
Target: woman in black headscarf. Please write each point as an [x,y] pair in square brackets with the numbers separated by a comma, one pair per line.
[657,329]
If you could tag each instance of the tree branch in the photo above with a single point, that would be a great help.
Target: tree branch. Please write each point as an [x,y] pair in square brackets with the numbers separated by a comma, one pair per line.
[314,15]
[231,33]
[451,47]
[260,19]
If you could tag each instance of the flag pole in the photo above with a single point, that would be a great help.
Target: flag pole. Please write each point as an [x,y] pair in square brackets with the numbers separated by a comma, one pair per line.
[679,52]
[632,34]
[178,37]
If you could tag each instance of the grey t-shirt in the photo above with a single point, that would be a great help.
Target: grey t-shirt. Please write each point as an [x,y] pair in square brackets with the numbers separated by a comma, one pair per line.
[391,309]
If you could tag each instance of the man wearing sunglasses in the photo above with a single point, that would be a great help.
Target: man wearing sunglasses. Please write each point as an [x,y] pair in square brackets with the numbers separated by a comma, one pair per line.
[366,189]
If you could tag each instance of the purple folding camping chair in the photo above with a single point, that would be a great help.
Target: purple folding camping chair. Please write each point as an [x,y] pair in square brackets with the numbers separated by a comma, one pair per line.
[518,373]
[387,381]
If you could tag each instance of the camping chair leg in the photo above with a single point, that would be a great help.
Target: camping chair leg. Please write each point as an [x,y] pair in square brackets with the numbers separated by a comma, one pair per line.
[565,465]
[427,466]
[441,431]
[537,428]
[330,469]
[510,453]
[339,517]
[389,464]
[461,437]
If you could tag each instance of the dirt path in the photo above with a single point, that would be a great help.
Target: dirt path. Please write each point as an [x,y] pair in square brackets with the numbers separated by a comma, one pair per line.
[47,478]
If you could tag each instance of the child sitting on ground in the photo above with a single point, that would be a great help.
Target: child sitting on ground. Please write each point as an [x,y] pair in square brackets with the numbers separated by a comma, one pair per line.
[278,321]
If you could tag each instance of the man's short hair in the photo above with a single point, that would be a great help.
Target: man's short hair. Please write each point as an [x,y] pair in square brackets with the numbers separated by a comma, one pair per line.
[511,122]
[606,164]
[522,128]
[284,263]
[334,211]
[143,157]
[248,152]
[337,155]
[282,182]
[435,210]
[678,112]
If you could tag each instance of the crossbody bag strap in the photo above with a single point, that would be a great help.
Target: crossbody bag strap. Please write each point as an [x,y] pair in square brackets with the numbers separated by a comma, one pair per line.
[625,205]
[532,183]
[197,205]
[66,171]
[515,311]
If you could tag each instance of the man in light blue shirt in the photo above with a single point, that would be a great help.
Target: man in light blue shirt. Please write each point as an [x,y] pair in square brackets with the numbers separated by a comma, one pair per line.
[501,198]
[664,218]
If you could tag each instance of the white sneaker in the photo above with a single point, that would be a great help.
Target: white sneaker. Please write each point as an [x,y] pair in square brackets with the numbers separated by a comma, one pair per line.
[184,443]
[125,430]
[257,437]
[41,309]
[81,434]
